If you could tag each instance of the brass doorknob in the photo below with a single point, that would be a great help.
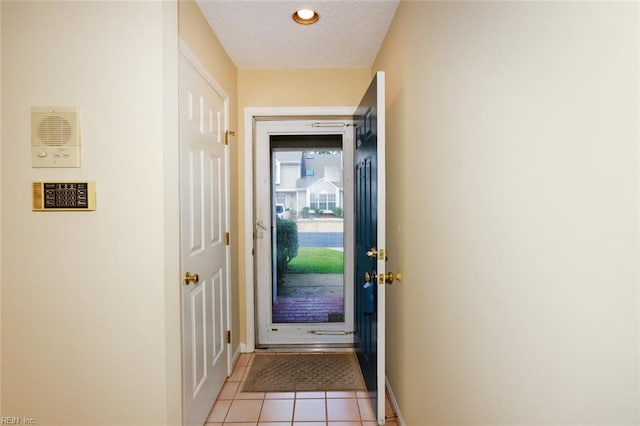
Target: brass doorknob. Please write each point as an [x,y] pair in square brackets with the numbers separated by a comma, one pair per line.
[372,253]
[190,278]
[389,277]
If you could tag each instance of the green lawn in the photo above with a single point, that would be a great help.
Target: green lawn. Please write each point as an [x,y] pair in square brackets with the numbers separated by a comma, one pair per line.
[317,260]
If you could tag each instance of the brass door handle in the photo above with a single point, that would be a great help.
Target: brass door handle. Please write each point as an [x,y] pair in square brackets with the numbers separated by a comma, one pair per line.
[190,278]
[372,253]
[389,277]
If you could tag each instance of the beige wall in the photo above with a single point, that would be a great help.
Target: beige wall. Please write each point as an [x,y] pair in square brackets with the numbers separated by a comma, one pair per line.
[196,33]
[301,87]
[90,304]
[517,125]
[289,88]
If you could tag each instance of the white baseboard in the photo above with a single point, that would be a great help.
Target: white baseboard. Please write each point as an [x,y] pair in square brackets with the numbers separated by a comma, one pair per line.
[394,404]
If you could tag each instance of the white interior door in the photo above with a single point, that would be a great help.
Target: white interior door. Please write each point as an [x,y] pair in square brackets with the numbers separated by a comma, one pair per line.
[203,216]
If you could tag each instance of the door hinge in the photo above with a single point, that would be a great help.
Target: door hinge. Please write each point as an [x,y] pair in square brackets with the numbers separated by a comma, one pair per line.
[227,238]
[229,336]
[228,133]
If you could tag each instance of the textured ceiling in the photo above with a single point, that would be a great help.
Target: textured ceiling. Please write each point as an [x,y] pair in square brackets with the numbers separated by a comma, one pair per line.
[262,34]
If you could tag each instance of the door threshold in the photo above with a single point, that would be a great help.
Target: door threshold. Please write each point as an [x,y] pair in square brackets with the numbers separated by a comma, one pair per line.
[336,347]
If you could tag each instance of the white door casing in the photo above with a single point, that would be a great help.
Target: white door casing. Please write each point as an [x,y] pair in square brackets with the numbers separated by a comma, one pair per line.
[251,114]
[204,221]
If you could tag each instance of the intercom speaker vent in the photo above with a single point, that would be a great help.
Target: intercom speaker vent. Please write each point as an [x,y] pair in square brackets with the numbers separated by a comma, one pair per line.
[54,130]
[55,137]
[54,126]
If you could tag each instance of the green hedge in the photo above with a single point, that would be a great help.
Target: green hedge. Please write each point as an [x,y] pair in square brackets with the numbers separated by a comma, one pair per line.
[286,245]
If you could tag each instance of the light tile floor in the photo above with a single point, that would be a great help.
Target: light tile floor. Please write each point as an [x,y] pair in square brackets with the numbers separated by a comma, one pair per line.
[237,408]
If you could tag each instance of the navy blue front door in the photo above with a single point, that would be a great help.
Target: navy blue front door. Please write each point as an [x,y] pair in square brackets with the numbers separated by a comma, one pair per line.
[369,235]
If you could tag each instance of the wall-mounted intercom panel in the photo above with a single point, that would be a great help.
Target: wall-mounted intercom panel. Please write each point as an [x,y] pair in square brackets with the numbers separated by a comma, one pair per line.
[55,137]
[64,196]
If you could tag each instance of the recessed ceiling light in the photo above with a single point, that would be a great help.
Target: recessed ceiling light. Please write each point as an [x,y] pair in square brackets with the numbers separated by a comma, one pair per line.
[306,16]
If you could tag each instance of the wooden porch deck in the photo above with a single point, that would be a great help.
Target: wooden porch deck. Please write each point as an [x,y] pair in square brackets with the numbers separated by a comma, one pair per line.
[308,309]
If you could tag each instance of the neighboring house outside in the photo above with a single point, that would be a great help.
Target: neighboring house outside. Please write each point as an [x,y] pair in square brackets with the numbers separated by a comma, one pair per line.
[286,171]
[308,179]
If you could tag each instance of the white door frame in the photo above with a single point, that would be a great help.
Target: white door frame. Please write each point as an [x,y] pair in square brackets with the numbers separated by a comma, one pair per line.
[250,115]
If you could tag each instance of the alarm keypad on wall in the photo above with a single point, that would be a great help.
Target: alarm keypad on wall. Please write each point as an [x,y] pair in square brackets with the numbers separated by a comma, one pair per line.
[64,196]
